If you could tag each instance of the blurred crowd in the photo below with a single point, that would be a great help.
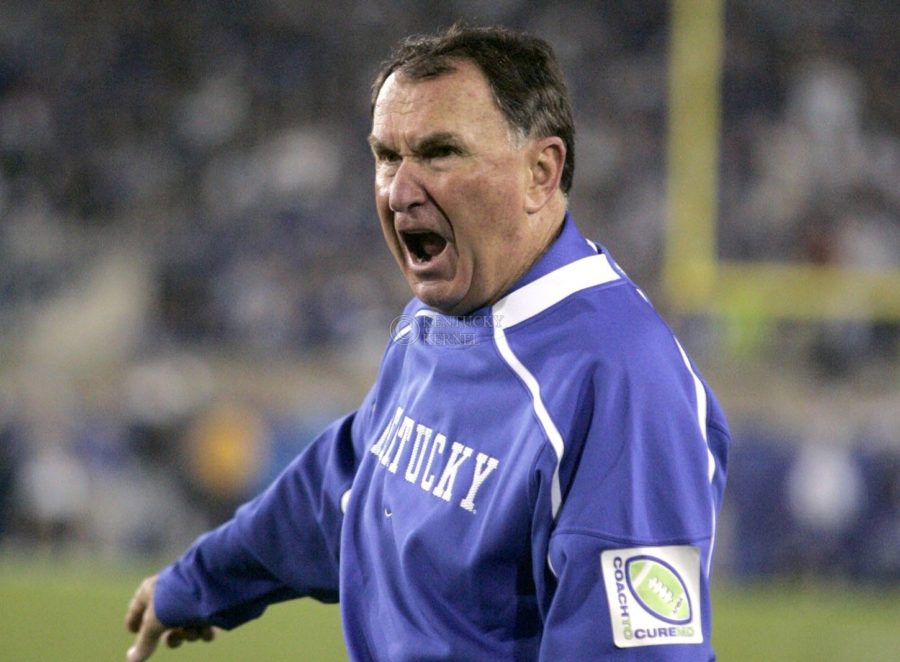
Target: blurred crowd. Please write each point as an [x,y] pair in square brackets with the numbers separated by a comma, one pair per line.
[190,262]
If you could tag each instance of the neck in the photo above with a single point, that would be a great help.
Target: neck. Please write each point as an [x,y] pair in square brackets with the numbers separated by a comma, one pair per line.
[547,223]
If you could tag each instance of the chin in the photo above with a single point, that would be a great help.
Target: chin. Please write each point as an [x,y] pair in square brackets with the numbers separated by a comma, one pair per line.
[441,304]
[443,301]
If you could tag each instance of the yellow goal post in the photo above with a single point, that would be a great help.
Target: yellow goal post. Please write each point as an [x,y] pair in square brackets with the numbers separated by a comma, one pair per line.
[694,279]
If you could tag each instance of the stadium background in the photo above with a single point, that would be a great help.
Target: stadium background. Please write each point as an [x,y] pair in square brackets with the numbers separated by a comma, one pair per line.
[192,281]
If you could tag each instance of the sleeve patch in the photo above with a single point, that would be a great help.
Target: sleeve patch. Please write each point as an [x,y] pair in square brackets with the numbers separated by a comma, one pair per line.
[653,595]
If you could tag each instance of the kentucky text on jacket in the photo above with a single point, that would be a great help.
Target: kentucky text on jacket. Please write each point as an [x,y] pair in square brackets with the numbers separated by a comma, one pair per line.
[420,471]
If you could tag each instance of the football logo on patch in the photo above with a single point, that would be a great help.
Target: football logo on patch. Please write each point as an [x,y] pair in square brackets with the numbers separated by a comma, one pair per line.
[659,589]
[653,595]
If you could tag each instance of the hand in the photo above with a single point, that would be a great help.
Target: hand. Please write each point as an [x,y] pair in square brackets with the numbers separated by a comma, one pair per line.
[141,619]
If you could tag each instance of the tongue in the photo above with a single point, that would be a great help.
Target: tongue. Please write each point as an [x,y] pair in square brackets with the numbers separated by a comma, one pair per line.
[433,244]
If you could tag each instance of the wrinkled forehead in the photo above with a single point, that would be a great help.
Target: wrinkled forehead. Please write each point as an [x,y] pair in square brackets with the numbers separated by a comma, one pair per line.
[455,100]
[462,86]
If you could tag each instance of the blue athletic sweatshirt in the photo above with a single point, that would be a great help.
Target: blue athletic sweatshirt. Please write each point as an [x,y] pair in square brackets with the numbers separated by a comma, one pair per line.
[539,479]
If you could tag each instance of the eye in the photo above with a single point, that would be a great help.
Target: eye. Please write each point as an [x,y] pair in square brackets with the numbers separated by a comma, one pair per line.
[441,151]
[386,156]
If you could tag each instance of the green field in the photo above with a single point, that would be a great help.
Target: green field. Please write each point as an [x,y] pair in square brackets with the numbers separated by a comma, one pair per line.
[74,612]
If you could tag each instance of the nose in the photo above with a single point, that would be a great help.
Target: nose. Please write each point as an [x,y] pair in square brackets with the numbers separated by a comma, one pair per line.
[406,189]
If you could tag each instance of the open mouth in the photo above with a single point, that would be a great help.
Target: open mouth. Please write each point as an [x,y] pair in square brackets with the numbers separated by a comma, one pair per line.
[423,245]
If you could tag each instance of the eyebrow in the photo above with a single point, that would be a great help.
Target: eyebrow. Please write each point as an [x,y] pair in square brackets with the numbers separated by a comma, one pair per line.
[437,140]
[428,142]
[376,145]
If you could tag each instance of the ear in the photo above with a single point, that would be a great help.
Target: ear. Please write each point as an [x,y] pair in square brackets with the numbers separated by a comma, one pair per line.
[547,156]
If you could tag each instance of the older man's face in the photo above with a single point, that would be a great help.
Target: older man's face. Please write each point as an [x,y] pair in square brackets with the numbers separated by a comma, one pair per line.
[450,189]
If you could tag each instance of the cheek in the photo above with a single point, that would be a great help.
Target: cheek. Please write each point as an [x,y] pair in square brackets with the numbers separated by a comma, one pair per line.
[496,237]
[381,191]
[386,221]
[493,217]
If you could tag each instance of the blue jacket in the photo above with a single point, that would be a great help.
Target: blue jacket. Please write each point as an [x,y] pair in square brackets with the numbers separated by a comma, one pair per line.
[537,480]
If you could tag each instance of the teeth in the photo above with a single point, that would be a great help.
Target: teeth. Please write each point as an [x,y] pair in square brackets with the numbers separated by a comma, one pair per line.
[423,244]
[414,243]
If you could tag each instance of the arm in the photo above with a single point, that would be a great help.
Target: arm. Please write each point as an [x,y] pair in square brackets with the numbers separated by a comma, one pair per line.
[281,545]
[628,555]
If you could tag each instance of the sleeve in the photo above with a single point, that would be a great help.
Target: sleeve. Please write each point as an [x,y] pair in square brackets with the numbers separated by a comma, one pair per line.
[281,545]
[627,557]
